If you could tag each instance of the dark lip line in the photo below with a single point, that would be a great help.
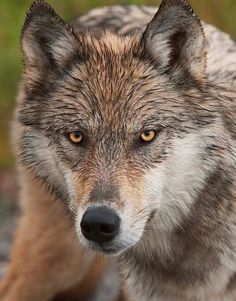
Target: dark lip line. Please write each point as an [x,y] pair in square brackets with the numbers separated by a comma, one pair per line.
[111,251]
[103,250]
[151,215]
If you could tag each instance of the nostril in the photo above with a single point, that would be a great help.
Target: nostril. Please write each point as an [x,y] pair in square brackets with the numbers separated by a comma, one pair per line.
[107,229]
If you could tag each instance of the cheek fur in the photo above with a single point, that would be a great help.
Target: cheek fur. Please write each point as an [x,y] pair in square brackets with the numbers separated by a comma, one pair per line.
[38,154]
[172,186]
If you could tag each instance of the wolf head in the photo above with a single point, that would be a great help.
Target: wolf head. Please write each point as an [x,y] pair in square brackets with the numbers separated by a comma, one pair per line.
[118,127]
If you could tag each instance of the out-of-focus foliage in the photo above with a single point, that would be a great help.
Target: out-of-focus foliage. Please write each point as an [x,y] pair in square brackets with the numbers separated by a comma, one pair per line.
[222,13]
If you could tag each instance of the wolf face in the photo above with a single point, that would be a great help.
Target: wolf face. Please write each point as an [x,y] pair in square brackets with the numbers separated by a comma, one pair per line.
[121,128]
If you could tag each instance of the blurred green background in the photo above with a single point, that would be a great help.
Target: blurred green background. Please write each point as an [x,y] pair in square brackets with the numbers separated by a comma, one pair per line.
[222,13]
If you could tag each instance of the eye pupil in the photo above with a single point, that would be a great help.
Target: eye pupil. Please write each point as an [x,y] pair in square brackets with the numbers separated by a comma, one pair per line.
[77,135]
[147,133]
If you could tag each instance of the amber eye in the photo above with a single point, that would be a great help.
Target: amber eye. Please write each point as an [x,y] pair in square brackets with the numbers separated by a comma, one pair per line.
[148,135]
[76,137]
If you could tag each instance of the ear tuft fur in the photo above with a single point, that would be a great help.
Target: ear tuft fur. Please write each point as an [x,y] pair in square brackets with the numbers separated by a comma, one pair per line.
[183,3]
[39,7]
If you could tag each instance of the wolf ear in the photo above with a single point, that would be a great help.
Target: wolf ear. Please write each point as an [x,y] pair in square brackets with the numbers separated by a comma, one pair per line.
[47,41]
[175,41]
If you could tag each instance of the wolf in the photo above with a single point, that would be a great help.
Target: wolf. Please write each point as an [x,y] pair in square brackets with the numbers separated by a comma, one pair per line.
[125,139]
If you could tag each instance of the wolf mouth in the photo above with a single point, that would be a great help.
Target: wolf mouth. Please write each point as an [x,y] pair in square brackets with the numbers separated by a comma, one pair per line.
[109,250]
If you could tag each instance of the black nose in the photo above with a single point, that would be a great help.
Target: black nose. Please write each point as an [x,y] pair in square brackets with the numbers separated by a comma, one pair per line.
[100,224]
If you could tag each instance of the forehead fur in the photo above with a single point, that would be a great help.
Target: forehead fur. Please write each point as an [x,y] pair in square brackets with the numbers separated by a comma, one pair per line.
[113,78]
[109,42]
